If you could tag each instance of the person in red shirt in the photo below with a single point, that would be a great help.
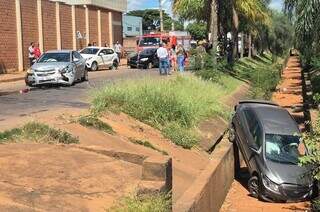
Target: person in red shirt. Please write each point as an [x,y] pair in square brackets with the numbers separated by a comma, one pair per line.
[36,51]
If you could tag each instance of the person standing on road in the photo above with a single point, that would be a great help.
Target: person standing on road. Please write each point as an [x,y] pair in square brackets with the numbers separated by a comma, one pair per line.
[31,53]
[180,57]
[37,51]
[173,57]
[118,49]
[163,55]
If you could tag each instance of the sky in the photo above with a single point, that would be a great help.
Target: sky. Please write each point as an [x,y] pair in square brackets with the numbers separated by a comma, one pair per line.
[144,4]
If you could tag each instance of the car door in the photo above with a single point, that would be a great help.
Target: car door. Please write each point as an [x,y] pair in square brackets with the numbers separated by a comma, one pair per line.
[253,136]
[109,57]
[79,64]
[240,126]
[100,57]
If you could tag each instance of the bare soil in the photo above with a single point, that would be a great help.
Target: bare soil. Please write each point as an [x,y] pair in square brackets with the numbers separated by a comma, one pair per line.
[61,178]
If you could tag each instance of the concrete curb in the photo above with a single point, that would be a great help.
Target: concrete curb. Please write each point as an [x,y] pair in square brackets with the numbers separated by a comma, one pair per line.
[209,190]
[11,80]
[156,170]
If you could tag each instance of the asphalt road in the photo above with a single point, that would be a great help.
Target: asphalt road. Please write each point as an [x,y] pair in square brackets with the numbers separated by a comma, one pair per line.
[14,104]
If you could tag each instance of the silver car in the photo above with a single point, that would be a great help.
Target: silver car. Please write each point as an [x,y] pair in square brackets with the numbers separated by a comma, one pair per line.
[57,67]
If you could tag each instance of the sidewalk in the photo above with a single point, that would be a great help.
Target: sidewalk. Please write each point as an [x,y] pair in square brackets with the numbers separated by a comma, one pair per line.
[12,77]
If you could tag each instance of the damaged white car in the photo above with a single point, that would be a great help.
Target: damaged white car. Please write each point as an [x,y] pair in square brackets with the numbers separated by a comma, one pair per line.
[57,67]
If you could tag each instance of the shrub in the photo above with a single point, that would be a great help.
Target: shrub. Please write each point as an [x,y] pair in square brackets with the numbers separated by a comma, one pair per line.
[148,145]
[143,203]
[263,74]
[93,122]
[184,101]
[37,132]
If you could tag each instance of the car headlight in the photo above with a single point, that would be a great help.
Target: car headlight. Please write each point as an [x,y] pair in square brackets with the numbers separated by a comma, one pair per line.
[144,59]
[30,71]
[269,184]
[67,69]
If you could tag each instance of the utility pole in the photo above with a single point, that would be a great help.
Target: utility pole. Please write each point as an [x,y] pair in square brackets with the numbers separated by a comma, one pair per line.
[161,16]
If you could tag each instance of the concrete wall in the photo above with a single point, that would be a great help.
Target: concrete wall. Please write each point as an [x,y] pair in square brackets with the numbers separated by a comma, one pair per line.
[133,23]
[49,26]
[8,41]
[210,189]
[26,21]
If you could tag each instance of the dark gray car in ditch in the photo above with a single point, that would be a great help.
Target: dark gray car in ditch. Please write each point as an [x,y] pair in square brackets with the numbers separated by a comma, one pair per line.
[270,142]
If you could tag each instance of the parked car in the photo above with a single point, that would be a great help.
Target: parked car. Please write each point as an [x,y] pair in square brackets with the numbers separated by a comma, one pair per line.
[57,67]
[269,141]
[145,59]
[100,57]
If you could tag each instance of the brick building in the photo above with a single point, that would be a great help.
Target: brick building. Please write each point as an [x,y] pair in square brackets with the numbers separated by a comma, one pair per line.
[55,24]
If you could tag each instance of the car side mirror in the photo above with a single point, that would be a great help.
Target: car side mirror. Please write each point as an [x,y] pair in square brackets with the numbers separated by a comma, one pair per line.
[101,54]
[254,149]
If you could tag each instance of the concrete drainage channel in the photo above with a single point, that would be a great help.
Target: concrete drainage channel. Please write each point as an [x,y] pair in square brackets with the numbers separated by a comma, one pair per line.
[209,190]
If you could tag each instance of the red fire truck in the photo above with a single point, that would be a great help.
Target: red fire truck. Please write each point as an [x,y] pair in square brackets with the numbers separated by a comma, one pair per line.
[153,40]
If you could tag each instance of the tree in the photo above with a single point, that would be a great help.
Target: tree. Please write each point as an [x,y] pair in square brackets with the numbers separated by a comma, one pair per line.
[151,19]
[198,30]
[305,14]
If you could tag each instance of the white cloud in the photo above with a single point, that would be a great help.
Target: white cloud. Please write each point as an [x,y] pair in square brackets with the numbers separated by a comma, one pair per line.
[136,4]
[150,4]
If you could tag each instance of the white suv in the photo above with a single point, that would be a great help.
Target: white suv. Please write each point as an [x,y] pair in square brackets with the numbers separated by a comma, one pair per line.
[98,57]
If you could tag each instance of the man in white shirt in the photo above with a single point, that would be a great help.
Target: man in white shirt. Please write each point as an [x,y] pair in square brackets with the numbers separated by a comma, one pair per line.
[31,53]
[163,55]
[118,49]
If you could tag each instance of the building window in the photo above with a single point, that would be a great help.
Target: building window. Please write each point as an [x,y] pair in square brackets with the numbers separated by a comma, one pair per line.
[129,28]
[138,29]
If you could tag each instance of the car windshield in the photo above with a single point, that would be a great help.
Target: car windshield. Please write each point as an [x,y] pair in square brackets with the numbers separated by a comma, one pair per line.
[284,148]
[89,51]
[148,51]
[149,42]
[55,57]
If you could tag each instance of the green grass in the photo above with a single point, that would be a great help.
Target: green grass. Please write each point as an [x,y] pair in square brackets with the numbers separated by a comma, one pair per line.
[262,72]
[37,132]
[173,106]
[148,145]
[143,203]
[94,122]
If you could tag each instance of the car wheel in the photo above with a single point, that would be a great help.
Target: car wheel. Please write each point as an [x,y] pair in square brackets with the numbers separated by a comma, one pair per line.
[232,134]
[85,76]
[150,66]
[94,66]
[132,67]
[115,65]
[254,186]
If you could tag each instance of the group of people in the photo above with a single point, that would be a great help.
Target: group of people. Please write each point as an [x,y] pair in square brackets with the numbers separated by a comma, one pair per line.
[174,56]
[34,53]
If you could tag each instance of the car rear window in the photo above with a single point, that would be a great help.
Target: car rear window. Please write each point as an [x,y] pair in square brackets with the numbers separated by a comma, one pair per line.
[89,51]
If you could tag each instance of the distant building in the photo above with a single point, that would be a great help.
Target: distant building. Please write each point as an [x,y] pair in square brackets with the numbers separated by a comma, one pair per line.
[56,24]
[132,26]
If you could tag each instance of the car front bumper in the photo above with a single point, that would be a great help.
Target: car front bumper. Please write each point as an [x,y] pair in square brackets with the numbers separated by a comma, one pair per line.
[52,78]
[287,192]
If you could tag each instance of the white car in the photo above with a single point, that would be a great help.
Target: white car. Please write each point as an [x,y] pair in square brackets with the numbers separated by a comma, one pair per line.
[100,57]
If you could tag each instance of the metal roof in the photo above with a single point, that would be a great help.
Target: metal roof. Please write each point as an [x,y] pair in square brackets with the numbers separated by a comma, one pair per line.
[274,119]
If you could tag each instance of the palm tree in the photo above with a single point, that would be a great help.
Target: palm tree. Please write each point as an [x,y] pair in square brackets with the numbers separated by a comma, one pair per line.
[305,14]
[254,11]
